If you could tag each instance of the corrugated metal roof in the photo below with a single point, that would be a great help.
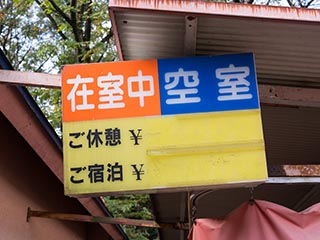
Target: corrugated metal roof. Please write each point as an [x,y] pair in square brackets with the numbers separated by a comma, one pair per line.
[285,41]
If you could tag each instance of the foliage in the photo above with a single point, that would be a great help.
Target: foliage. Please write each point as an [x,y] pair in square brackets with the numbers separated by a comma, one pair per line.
[133,207]
[21,39]
[50,102]
[42,36]
[83,28]
[29,45]
[304,3]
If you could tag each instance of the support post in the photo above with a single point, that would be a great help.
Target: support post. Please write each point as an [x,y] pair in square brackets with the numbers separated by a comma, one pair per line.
[100,219]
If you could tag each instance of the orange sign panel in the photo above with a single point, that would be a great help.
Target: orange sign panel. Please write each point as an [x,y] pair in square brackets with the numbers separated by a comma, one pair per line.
[96,90]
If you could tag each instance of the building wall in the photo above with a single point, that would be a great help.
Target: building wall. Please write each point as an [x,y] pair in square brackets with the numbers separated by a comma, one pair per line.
[25,181]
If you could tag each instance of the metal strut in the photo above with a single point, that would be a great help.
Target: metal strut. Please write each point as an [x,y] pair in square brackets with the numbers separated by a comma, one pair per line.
[101,219]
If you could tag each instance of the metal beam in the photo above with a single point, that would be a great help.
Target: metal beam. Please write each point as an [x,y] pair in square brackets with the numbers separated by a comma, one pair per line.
[30,79]
[101,219]
[289,96]
[293,180]
[294,174]
[190,37]
[304,202]
[269,94]
[307,170]
[184,202]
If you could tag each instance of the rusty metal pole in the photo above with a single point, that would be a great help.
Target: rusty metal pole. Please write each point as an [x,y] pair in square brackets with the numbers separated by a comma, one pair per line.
[101,219]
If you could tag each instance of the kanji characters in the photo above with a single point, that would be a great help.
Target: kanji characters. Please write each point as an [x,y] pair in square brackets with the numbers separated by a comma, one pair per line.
[113,136]
[95,173]
[83,92]
[104,137]
[111,95]
[94,138]
[193,87]
[141,91]
[115,172]
[185,92]
[234,85]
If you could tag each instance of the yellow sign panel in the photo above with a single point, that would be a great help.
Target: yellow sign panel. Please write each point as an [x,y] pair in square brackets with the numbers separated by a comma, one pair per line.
[162,153]
[161,125]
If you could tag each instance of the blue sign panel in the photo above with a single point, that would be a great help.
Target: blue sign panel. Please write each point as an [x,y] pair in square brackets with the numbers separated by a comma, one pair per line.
[207,84]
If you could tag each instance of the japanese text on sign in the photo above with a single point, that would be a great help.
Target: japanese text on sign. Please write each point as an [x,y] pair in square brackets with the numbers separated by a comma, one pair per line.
[171,86]
[112,145]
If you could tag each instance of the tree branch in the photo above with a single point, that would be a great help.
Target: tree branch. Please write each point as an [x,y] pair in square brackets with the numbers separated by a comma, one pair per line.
[73,13]
[290,3]
[17,50]
[300,3]
[88,23]
[108,37]
[309,3]
[75,29]
[24,55]
[53,22]
[100,58]
[73,22]
[6,38]
[39,69]
[59,10]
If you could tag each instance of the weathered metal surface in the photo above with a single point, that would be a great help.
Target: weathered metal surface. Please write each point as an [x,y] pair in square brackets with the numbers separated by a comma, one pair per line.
[17,111]
[269,94]
[293,180]
[284,40]
[285,43]
[202,7]
[304,202]
[190,38]
[30,79]
[294,171]
[116,33]
[302,170]
[289,96]
[100,219]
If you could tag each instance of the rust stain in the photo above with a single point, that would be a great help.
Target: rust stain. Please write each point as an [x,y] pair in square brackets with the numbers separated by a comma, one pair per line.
[219,8]
[309,170]
[302,170]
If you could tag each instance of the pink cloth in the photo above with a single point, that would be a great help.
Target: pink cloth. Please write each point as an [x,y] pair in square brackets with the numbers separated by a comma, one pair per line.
[261,220]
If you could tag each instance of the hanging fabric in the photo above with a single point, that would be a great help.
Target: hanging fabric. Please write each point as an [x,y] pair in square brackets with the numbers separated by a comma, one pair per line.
[260,220]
